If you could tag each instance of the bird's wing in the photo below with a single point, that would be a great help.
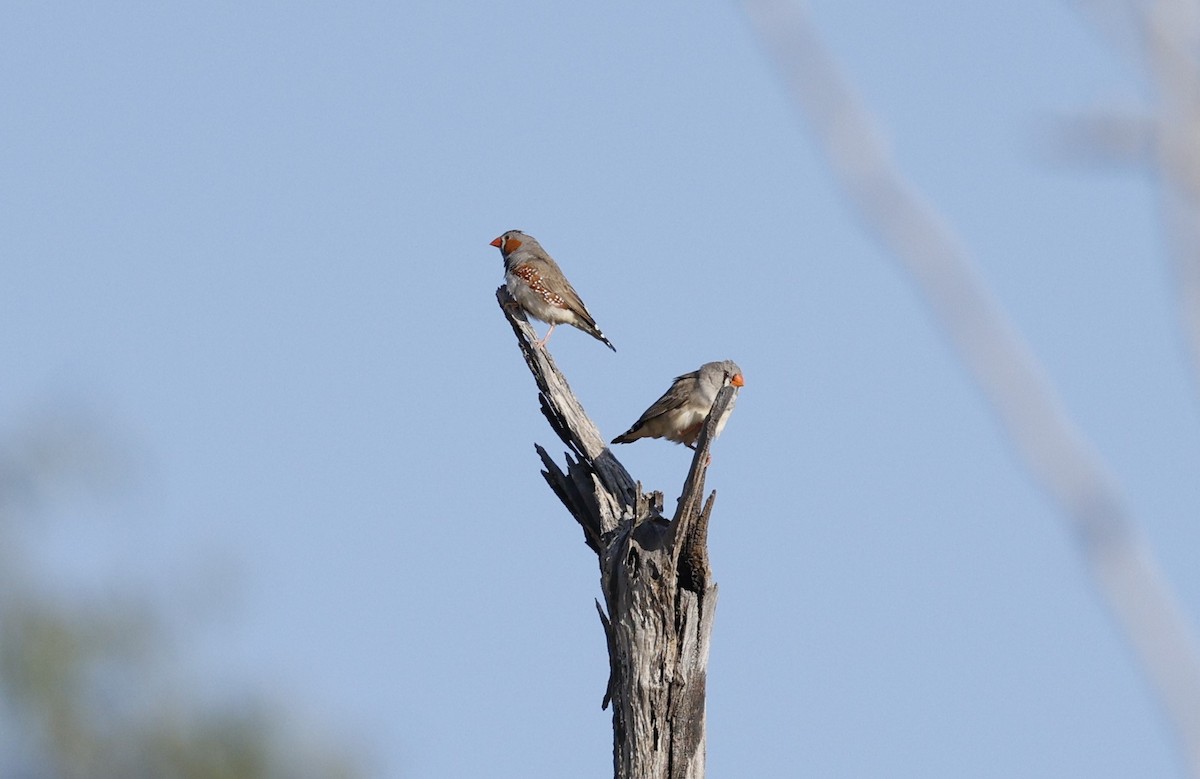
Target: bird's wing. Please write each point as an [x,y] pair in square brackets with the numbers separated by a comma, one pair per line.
[529,273]
[558,293]
[574,303]
[674,398]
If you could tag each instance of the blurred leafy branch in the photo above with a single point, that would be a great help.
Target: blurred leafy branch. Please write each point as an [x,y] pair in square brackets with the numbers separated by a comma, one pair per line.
[79,689]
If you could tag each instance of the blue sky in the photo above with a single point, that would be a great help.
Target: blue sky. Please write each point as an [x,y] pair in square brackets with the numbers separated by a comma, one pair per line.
[252,239]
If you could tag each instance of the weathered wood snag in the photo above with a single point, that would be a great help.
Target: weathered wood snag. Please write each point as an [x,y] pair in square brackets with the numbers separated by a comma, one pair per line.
[658,589]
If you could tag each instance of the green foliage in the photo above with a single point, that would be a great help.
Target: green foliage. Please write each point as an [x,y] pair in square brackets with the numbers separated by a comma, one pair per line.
[82,694]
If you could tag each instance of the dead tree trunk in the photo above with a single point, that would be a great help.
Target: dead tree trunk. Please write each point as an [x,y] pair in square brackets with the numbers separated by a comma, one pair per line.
[654,573]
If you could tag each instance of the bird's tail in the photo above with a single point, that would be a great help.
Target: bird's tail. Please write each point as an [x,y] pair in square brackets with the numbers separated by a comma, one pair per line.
[599,336]
[629,436]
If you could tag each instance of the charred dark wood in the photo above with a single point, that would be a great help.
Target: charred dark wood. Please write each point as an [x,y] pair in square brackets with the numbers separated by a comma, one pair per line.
[654,572]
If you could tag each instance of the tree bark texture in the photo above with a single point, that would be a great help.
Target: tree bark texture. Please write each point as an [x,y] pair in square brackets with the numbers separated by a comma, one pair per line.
[654,573]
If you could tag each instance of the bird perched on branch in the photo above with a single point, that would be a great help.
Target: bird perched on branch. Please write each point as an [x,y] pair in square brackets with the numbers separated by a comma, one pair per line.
[679,414]
[538,285]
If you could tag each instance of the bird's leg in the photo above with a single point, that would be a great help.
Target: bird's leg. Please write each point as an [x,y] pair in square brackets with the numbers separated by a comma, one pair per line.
[692,446]
[542,342]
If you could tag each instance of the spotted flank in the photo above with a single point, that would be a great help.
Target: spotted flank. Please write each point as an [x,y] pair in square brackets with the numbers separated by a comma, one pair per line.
[534,280]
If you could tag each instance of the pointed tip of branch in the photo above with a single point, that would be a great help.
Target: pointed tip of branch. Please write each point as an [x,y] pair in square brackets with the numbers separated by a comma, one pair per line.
[693,485]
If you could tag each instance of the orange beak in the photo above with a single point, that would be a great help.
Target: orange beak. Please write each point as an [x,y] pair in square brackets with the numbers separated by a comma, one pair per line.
[737,380]
[497,242]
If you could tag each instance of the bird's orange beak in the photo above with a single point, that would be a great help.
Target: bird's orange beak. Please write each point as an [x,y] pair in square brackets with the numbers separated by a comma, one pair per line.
[737,380]
[497,242]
